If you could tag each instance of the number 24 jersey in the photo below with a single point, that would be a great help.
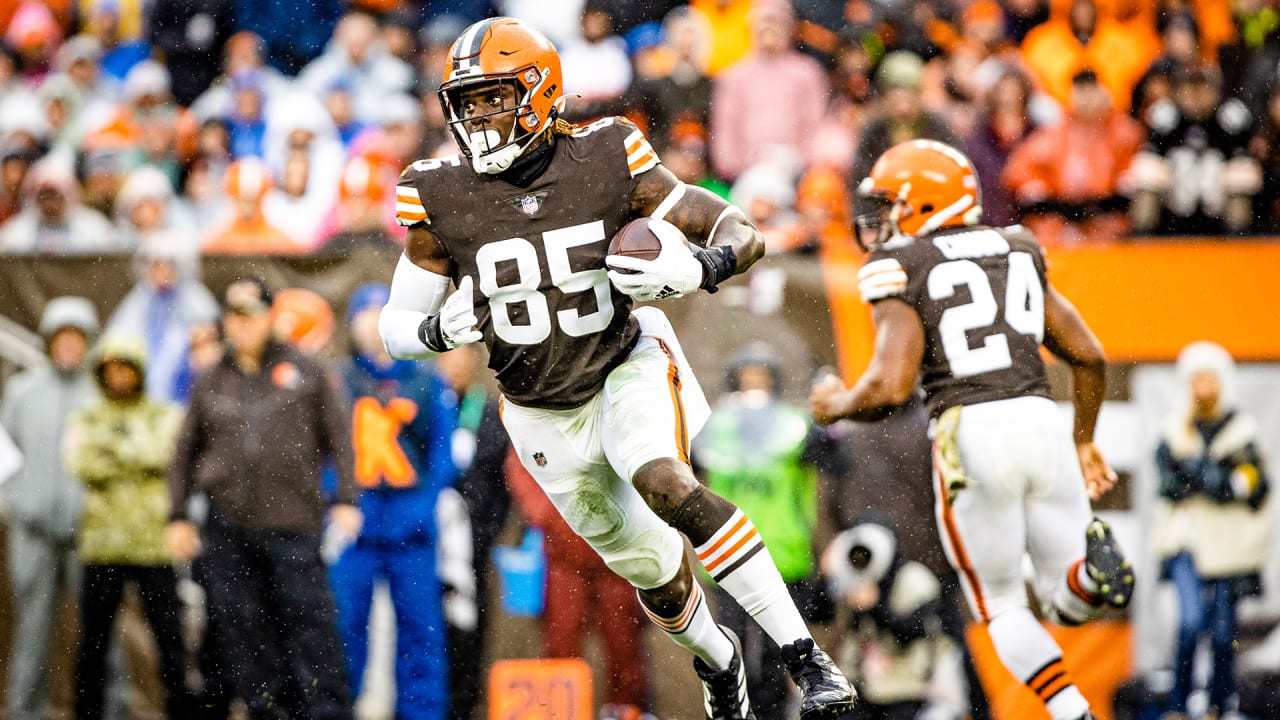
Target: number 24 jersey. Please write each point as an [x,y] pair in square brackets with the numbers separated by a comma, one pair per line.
[979,292]
[554,324]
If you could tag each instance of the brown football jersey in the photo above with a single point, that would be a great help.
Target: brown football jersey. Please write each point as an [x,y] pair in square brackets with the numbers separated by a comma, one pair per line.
[554,324]
[979,292]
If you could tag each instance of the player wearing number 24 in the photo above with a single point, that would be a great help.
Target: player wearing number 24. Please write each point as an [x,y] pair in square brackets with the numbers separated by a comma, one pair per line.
[598,400]
[965,308]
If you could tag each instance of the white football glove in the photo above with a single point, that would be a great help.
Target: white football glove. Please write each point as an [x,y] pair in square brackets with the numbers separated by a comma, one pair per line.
[675,272]
[456,322]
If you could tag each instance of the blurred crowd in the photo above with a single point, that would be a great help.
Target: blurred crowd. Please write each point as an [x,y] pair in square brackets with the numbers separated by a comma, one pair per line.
[1087,119]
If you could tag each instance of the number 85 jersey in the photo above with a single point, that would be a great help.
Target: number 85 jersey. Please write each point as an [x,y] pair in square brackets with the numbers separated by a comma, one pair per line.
[554,324]
[979,292]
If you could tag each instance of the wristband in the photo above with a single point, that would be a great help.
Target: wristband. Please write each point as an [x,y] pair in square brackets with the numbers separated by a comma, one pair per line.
[718,264]
[431,335]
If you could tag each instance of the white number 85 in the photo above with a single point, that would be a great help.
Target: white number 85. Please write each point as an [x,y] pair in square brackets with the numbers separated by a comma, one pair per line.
[556,244]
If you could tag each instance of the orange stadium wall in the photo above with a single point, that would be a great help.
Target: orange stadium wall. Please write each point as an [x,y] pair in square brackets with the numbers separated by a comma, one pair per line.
[1144,299]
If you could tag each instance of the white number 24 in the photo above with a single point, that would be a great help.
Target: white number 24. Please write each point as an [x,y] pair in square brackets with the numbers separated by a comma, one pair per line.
[1023,311]
[556,244]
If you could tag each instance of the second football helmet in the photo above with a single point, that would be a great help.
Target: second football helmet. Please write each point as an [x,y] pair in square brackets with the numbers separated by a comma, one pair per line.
[918,187]
[502,50]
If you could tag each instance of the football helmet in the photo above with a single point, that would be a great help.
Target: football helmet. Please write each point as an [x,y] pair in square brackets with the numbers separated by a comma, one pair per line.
[502,50]
[918,187]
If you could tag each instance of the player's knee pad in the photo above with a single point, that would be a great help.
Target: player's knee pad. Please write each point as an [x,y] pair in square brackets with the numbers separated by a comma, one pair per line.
[648,558]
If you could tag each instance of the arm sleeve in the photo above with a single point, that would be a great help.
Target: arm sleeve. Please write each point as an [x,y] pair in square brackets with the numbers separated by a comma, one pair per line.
[416,294]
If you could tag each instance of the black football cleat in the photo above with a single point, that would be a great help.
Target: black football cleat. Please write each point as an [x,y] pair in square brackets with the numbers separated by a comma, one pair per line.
[825,694]
[1106,565]
[724,692]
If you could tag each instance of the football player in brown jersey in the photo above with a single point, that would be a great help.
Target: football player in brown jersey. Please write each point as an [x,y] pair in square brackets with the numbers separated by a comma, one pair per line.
[964,309]
[598,400]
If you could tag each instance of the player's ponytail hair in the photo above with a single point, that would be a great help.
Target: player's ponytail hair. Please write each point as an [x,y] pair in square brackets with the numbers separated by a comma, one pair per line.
[562,127]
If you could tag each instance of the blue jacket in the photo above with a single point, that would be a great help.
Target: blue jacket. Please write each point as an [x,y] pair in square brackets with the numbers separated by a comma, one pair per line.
[403,418]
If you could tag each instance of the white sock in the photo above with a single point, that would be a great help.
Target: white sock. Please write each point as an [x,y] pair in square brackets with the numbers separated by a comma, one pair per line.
[1031,655]
[694,628]
[737,559]
[1077,599]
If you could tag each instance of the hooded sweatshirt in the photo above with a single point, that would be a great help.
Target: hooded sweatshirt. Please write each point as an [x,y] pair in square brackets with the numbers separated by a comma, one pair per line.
[43,496]
[120,449]
[163,318]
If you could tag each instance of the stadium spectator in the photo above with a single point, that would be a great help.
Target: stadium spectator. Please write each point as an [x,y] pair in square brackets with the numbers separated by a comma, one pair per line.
[774,75]
[765,456]
[292,33]
[356,57]
[340,105]
[403,420]
[892,642]
[54,222]
[94,92]
[1119,47]
[398,32]
[262,423]
[479,453]
[305,156]
[834,143]
[248,232]
[103,170]
[1005,124]
[1265,146]
[120,447]
[1066,178]
[246,124]
[899,81]
[1212,531]
[766,192]
[686,158]
[731,31]
[119,28]
[33,34]
[365,202]
[147,127]
[562,21]
[146,204]
[15,161]
[596,67]
[164,306]
[681,93]
[584,588]
[1195,176]
[190,34]
[241,56]
[43,500]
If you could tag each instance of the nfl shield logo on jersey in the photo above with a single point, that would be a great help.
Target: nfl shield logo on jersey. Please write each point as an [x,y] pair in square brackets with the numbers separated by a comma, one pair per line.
[530,204]
[540,459]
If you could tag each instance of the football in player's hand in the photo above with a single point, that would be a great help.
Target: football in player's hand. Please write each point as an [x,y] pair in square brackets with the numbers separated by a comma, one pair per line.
[636,239]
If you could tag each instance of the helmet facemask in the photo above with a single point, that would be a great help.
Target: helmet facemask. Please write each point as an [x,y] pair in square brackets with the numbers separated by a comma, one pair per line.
[490,153]
[878,213]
